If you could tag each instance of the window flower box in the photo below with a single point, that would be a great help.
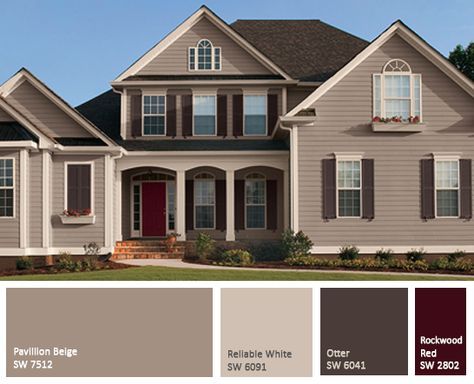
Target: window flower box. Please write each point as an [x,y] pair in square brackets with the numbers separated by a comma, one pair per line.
[83,217]
[397,124]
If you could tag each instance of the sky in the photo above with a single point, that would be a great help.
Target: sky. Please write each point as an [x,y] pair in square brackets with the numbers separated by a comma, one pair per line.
[78,47]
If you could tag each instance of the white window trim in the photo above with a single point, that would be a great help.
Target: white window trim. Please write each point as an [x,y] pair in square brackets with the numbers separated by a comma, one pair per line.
[264,179]
[265,95]
[437,159]
[203,205]
[357,158]
[134,232]
[199,94]
[12,187]
[91,163]
[196,60]
[382,90]
[153,114]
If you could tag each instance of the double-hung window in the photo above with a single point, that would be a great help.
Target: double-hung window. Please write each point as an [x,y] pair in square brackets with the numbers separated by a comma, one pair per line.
[255,201]
[7,188]
[204,57]
[204,108]
[397,93]
[79,188]
[349,188]
[447,188]
[204,201]
[255,112]
[154,115]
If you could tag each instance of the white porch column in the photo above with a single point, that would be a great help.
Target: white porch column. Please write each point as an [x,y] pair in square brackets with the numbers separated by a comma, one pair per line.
[109,201]
[230,207]
[181,204]
[118,205]
[46,188]
[286,199]
[24,190]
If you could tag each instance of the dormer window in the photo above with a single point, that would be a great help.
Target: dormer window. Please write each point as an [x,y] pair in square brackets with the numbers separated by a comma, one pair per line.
[397,93]
[204,57]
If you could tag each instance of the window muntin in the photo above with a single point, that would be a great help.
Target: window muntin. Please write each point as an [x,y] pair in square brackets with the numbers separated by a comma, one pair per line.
[7,193]
[204,57]
[349,188]
[255,201]
[447,188]
[153,115]
[204,108]
[255,115]
[397,92]
[79,187]
[204,201]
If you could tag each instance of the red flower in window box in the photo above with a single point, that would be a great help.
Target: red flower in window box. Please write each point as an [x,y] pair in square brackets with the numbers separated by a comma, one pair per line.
[414,119]
[376,119]
[77,213]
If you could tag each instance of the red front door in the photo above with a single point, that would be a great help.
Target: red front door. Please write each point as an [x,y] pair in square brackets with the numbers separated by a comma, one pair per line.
[154,209]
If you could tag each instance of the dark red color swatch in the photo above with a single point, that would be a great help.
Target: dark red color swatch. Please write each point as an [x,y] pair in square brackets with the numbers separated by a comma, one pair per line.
[440,329]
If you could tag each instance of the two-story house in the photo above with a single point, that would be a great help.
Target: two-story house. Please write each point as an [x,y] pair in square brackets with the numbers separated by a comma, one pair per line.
[241,131]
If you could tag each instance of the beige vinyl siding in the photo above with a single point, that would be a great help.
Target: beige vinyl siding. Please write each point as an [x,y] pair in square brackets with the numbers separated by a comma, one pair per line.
[10,227]
[343,125]
[65,236]
[44,113]
[229,92]
[35,195]
[5,116]
[174,59]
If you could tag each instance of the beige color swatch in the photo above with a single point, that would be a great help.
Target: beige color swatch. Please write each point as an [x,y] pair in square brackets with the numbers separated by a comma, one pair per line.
[266,321]
[117,332]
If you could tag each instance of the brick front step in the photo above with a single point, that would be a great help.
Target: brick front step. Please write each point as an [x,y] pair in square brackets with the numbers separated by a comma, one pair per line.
[147,249]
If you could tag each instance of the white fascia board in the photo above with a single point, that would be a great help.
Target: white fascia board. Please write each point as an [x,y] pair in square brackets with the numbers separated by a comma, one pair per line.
[87,149]
[185,26]
[27,144]
[411,38]
[188,83]
[204,153]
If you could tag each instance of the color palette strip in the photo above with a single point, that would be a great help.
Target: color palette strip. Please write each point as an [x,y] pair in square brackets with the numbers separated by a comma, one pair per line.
[364,331]
[440,329]
[266,332]
[109,332]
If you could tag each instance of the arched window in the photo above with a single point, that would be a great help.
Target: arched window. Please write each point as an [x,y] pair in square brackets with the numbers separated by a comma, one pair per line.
[397,93]
[255,201]
[204,57]
[204,201]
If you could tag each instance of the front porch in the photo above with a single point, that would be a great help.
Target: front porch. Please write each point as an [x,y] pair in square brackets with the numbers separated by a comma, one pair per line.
[231,197]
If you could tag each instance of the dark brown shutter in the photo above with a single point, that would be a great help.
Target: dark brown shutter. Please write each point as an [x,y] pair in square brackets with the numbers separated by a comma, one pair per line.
[187,113]
[79,187]
[272,210]
[222,115]
[221,205]
[368,211]
[189,205]
[329,188]
[427,189]
[239,204]
[272,111]
[465,175]
[136,112]
[171,115]
[238,115]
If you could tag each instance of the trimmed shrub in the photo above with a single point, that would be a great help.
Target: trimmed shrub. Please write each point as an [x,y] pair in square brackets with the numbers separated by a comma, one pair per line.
[236,257]
[295,244]
[348,252]
[415,254]
[24,263]
[384,254]
[266,252]
[453,256]
[205,246]
[66,262]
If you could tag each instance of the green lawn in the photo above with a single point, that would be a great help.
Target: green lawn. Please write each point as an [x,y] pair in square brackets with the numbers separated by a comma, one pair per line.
[164,273]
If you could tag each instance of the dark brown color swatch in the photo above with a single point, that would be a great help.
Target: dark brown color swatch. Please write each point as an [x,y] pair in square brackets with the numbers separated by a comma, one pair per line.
[440,331]
[364,331]
[117,332]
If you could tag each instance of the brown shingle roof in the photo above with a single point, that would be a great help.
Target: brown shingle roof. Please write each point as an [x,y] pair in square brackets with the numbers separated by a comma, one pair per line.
[308,50]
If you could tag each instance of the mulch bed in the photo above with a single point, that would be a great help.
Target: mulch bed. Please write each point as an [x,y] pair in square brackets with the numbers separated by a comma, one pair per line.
[280,265]
[53,270]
